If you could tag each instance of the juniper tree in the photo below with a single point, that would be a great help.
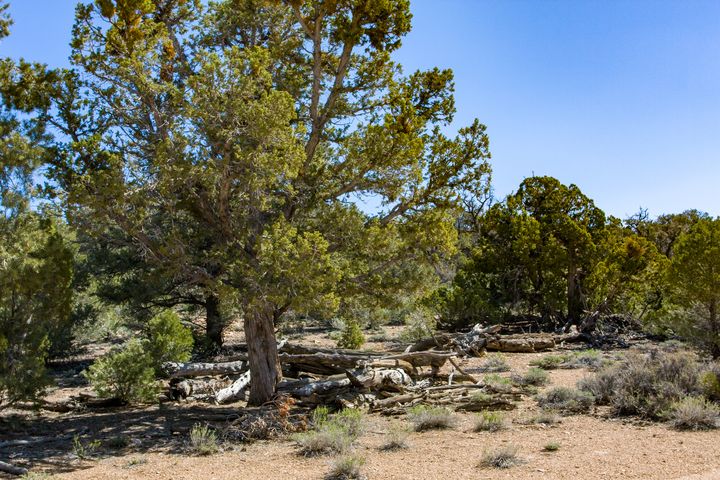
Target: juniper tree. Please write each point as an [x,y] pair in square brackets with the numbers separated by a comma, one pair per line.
[224,149]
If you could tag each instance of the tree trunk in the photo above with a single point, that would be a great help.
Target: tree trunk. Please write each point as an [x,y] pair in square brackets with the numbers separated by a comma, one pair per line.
[263,357]
[214,325]
[714,331]
[574,300]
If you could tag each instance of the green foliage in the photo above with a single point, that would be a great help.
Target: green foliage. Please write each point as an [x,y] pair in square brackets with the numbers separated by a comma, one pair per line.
[126,374]
[203,440]
[490,422]
[219,170]
[347,467]
[424,417]
[505,456]
[352,336]
[36,269]
[566,400]
[694,286]
[534,376]
[547,251]
[84,450]
[551,447]
[695,413]
[646,384]
[331,433]
[494,363]
[167,339]
[396,438]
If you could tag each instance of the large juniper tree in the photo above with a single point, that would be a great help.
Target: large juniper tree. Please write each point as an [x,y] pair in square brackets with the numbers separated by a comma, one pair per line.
[223,148]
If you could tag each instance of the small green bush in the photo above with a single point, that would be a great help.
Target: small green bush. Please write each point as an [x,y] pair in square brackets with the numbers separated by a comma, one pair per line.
[331,433]
[396,438]
[695,413]
[494,364]
[536,377]
[566,400]
[552,447]
[590,359]
[505,456]
[127,374]
[351,420]
[601,385]
[329,438]
[352,336]
[545,417]
[646,384]
[548,362]
[490,422]
[167,339]
[498,383]
[424,418]
[347,467]
[203,440]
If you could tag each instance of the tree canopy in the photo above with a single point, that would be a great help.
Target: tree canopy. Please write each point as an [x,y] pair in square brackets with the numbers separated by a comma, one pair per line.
[216,152]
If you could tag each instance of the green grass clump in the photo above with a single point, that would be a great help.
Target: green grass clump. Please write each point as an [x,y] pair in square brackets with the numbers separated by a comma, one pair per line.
[505,456]
[552,447]
[424,418]
[695,413]
[331,433]
[347,467]
[536,377]
[494,363]
[203,440]
[549,362]
[566,400]
[490,422]
[396,438]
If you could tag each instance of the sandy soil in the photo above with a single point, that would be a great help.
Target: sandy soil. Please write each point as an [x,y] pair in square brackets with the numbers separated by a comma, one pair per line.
[591,447]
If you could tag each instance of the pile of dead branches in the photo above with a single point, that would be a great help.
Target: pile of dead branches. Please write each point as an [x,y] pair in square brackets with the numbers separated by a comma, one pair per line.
[384,382]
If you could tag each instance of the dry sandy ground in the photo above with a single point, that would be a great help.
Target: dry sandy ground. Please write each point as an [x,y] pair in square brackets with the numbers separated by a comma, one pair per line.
[591,447]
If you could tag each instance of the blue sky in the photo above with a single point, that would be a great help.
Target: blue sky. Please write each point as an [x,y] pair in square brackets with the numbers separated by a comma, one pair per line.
[619,97]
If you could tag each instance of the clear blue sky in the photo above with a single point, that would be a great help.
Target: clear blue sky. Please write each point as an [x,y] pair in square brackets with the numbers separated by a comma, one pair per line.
[621,97]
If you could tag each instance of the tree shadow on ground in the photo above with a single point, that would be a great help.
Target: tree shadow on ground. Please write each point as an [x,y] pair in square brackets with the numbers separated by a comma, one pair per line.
[52,443]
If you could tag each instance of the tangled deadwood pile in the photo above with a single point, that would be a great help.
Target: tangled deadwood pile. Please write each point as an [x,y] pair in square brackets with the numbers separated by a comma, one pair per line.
[383,382]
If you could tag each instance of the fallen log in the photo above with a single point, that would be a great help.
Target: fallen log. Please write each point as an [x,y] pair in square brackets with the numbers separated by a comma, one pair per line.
[194,387]
[318,388]
[380,379]
[12,469]
[521,344]
[182,370]
[233,392]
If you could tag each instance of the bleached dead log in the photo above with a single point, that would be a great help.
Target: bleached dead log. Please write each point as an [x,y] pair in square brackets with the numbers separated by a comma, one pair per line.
[383,379]
[12,469]
[233,392]
[184,370]
[194,387]
[318,388]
